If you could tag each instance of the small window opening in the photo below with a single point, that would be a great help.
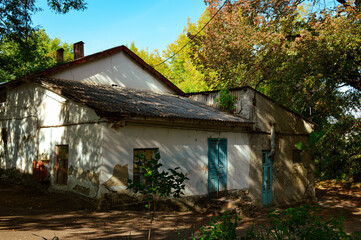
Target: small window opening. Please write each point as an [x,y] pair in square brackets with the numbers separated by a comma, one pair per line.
[148,153]
[297,156]
[62,158]
[4,139]
[3,95]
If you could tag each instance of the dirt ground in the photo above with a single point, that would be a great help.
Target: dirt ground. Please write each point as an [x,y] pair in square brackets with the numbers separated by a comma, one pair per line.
[28,213]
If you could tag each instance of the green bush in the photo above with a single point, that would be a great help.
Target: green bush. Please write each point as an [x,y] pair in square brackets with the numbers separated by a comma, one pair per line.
[158,184]
[305,222]
[220,227]
[226,101]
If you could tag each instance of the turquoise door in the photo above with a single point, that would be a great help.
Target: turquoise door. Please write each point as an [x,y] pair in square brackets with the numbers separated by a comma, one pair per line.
[217,167]
[266,179]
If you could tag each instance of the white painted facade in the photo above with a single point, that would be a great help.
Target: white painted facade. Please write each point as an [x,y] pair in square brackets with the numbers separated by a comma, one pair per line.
[117,69]
[100,155]
[184,148]
[38,120]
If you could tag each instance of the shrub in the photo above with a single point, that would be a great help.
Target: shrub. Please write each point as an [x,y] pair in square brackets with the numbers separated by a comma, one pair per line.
[220,227]
[226,101]
[158,184]
[305,222]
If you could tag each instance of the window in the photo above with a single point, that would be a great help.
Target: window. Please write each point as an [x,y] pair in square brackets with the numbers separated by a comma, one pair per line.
[3,95]
[62,156]
[297,156]
[4,139]
[148,153]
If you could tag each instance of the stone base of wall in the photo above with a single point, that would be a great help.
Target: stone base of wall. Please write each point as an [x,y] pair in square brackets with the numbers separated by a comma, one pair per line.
[235,200]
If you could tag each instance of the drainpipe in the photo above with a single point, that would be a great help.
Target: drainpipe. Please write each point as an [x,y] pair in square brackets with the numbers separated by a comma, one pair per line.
[273,140]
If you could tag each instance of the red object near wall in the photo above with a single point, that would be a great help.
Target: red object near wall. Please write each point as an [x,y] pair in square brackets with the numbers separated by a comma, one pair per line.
[40,172]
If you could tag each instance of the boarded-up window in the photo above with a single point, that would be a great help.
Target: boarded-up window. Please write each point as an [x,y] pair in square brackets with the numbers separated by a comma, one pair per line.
[148,154]
[62,156]
[297,156]
[3,95]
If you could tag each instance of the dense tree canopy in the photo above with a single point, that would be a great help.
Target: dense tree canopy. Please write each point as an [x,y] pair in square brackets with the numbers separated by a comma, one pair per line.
[175,65]
[296,55]
[24,48]
[304,54]
[15,15]
[41,56]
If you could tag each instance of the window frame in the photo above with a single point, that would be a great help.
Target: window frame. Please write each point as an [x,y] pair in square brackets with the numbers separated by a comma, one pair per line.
[299,156]
[4,139]
[65,167]
[139,174]
[3,96]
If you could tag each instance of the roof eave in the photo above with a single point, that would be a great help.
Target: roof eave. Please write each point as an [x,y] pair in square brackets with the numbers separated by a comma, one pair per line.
[183,122]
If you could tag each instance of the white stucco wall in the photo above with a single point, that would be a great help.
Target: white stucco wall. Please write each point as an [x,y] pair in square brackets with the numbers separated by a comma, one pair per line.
[19,117]
[117,69]
[187,149]
[37,120]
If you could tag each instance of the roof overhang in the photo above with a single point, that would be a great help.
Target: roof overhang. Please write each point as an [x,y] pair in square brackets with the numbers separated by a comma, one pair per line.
[191,124]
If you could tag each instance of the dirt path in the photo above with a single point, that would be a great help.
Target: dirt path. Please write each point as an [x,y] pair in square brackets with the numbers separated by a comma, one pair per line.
[30,214]
[341,199]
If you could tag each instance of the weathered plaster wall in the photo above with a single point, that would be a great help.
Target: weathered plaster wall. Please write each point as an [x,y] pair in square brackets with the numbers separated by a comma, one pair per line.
[289,180]
[187,149]
[266,111]
[37,120]
[19,117]
[116,69]
[258,108]
[84,143]
[243,101]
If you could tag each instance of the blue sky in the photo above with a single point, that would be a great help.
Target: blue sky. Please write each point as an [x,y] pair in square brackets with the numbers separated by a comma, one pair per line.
[109,23]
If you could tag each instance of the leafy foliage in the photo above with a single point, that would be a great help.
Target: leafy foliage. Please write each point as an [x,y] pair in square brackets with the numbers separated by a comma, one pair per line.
[16,15]
[158,184]
[226,101]
[22,45]
[179,69]
[220,227]
[338,154]
[306,57]
[305,222]
[42,55]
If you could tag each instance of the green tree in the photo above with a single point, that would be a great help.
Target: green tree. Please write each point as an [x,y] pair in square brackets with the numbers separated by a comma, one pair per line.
[308,58]
[42,55]
[183,72]
[152,58]
[16,29]
[15,15]
[178,66]
[158,184]
[301,59]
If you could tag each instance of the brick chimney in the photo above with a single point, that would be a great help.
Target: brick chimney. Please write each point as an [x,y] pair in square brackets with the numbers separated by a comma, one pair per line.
[60,55]
[78,50]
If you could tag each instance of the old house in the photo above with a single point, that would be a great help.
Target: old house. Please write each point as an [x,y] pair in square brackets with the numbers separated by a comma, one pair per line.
[86,121]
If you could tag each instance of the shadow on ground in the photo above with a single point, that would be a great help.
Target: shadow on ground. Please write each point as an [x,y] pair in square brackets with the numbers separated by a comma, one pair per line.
[27,213]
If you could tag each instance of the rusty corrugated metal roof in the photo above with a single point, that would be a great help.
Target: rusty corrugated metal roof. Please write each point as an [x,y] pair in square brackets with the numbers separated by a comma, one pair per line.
[116,102]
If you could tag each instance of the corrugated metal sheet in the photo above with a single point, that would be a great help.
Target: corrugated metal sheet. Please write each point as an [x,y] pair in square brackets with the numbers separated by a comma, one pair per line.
[112,102]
